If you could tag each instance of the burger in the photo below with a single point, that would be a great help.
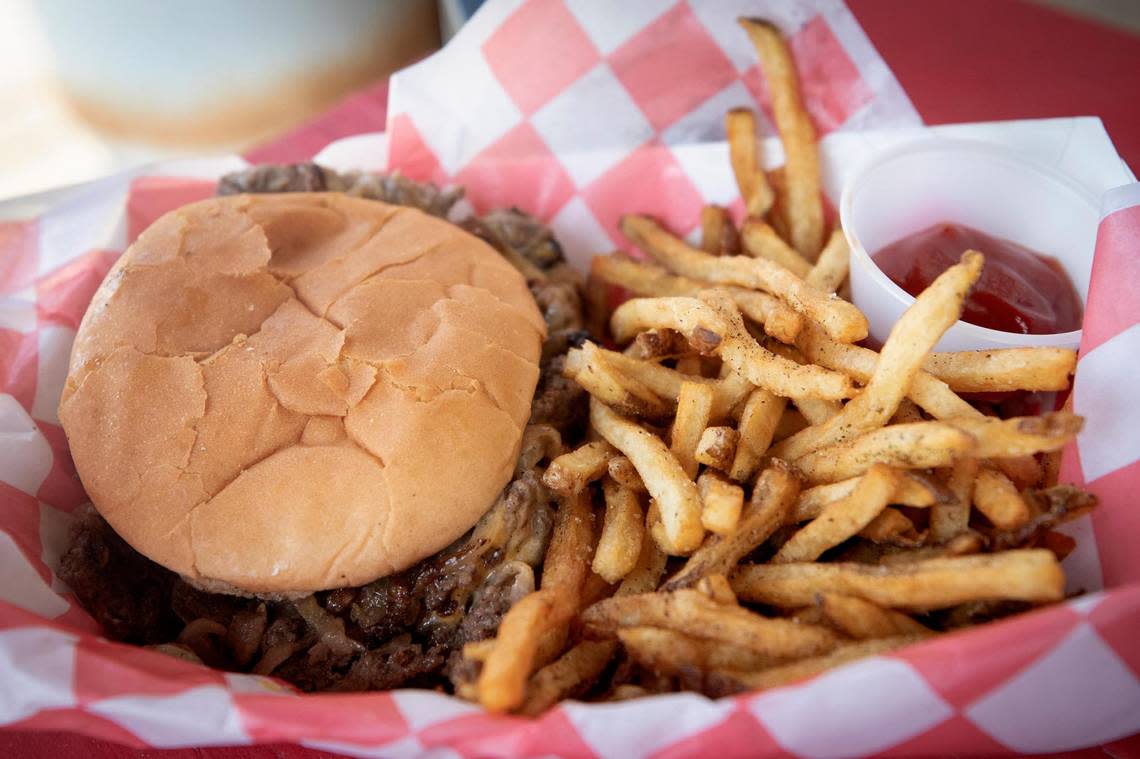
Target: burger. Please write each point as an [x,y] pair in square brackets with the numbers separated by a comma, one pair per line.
[309,414]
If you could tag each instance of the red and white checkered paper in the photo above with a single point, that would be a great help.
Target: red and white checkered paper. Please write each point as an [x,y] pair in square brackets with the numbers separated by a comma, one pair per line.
[1058,679]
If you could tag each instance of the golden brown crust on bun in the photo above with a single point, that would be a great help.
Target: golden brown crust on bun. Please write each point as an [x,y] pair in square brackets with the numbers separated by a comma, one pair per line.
[288,393]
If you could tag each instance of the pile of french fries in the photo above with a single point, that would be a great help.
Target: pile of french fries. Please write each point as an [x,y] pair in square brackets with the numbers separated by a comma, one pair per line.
[760,498]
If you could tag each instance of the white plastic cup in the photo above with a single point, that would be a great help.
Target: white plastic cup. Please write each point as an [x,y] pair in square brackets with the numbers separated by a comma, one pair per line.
[912,187]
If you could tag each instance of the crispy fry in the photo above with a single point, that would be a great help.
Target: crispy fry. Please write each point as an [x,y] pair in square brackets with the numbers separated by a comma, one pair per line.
[779,320]
[1023,575]
[675,494]
[913,336]
[694,407]
[717,447]
[718,589]
[1020,436]
[656,344]
[761,241]
[740,128]
[571,472]
[693,613]
[758,420]
[932,394]
[622,471]
[893,527]
[911,490]
[997,498]
[723,502]
[714,221]
[805,668]
[772,499]
[778,375]
[990,371]
[841,519]
[906,446]
[1049,507]
[667,652]
[646,574]
[622,532]
[568,675]
[502,681]
[590,369]
[838,318]
[952,517]
[702,326]
[802,196]
[862,619]
[831,268]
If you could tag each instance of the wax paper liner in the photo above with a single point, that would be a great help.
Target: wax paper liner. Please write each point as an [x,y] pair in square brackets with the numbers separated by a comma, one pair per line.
[1056,679]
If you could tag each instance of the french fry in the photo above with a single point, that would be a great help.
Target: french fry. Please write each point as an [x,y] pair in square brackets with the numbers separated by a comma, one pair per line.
[774,677]
[804,208]
[842,519]
[1041,369]
[891,526]
[740,128]
[567,676]
[723,502]
[692,613]
[913,336]
[675,494]
[862,619]
[718,589]
[590,369]
[952,517]
[997,498]
[1021,575]
[666,652]
[573,471]
[715,223]
[702,326]
[758,420]
[838,318]
[1020,436]
[911,490]
[622,471]
[657,344]
[761,241]
[646,573]
[779,320]
[906,446]
[623,529]
[761,367]
[962,545]
[1049,507]
[717,447]
[507,667]
[772,498]
[694,407]
[831,268]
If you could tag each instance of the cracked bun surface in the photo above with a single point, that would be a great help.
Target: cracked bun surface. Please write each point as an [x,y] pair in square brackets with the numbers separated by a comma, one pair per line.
[289,393]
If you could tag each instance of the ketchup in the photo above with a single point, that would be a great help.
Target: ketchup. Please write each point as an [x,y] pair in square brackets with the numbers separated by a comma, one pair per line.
[1019,291]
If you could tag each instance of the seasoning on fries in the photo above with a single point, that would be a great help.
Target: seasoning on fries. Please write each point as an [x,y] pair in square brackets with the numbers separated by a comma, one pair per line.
[828,501]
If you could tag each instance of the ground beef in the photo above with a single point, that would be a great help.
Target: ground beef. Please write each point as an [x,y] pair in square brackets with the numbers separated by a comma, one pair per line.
[128,594]
[399,631]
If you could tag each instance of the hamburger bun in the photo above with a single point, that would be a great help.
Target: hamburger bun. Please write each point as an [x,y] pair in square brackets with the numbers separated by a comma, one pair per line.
[286,393]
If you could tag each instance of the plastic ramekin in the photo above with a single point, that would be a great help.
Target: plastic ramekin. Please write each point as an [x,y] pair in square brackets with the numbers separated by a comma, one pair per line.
[909,188]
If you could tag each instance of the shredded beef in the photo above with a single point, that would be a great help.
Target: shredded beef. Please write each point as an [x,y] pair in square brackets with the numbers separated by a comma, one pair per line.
[399,631]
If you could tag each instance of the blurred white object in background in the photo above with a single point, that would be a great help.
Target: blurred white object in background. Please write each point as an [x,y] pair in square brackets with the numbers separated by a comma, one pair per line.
[94,86]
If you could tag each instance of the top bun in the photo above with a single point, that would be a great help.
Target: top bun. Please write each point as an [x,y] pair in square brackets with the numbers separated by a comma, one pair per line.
[288,393]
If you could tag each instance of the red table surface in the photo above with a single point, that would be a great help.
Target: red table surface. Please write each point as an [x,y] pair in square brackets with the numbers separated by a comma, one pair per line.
[958,60]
